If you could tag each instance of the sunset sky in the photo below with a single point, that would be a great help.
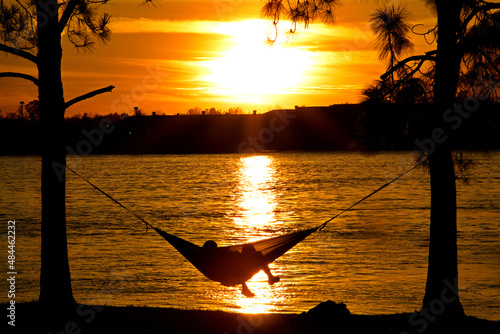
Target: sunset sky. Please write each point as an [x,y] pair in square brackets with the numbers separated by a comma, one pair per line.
[209,53]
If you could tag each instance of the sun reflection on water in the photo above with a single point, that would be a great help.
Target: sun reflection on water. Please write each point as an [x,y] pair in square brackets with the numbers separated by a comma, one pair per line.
[266,297]
[256,203]
[257,198]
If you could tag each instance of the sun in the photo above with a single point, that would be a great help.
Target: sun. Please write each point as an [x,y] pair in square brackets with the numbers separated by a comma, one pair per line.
[252,68]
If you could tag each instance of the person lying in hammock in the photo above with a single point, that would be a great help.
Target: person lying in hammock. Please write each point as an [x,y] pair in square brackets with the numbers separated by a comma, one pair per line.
[232,268]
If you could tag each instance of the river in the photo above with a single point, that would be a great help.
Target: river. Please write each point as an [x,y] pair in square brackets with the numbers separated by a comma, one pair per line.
[373,258]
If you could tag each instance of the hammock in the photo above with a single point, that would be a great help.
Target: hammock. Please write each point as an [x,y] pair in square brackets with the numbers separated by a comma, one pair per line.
[231,273]
[235,271]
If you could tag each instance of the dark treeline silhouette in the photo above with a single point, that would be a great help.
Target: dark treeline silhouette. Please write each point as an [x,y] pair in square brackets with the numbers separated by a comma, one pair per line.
[363,127]
[302,128]
[398,126]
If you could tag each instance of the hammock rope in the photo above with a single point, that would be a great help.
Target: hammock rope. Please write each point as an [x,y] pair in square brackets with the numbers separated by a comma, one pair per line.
[322,226]
[111,198]
[318,228]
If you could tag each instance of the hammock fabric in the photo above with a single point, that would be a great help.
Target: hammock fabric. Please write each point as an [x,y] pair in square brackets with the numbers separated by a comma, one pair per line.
[229,268]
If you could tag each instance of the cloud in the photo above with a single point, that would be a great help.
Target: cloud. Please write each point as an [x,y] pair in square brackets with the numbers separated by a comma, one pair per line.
[126,25]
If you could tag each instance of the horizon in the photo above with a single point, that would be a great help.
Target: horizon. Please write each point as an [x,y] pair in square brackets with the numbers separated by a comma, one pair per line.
[213,54]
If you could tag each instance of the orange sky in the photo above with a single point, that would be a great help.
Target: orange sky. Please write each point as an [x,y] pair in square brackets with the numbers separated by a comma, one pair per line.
[183,54]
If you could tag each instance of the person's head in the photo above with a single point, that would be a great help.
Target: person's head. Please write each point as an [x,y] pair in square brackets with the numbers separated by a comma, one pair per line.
[209,245]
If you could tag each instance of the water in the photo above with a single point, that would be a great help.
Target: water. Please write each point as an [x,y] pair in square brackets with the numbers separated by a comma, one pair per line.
[373,258]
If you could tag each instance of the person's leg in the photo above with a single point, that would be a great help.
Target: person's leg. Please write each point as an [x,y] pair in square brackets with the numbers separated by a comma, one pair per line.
[246,291]
[271,279]
[262,263]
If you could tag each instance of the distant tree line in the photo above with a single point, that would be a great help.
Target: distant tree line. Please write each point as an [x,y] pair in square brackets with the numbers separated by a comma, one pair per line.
[113,117]
[28,112]
[31,112]
[214,111]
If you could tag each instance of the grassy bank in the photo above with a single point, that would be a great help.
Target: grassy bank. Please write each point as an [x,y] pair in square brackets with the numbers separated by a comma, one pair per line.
[327,317]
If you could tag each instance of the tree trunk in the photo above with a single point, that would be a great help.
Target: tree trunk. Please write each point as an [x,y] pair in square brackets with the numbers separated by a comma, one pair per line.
[441,292]
[55,279]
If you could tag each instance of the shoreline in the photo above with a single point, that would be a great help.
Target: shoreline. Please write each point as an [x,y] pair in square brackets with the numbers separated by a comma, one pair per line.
[327,317]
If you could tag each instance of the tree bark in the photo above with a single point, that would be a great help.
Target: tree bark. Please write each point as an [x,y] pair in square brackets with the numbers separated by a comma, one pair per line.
[441,292]
[55,279]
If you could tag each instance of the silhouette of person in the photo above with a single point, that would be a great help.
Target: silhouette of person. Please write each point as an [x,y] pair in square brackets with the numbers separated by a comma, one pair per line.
[221,264]
[232,267]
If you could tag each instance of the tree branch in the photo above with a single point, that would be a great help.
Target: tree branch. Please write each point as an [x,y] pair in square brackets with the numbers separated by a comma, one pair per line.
[489,61]
[427,56]
[18,52]
[487,6]
[68,11]
[19,75]
[406,77]
[88,95]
